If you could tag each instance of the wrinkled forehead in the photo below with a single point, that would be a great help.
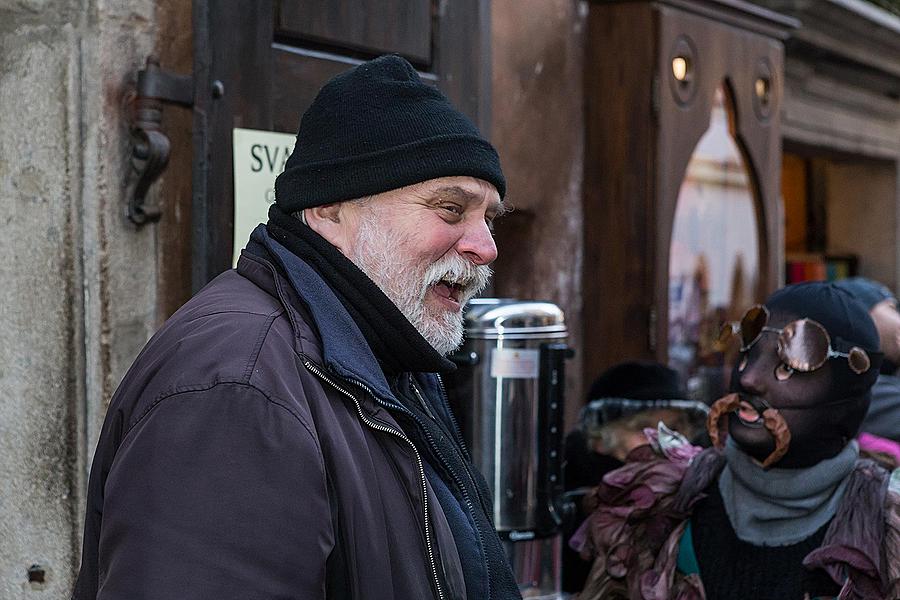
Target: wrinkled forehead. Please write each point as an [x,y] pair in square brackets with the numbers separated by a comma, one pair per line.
[463,190]
[462,186]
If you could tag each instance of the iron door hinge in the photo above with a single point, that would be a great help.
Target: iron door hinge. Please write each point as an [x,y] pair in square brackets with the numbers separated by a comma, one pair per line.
[150,146]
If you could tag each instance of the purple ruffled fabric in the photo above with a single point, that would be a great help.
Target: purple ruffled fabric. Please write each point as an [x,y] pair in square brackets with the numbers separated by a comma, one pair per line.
[634,533]
[854,540]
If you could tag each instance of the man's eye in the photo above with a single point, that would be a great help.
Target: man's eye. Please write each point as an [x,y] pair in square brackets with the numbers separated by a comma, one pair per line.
[453,209]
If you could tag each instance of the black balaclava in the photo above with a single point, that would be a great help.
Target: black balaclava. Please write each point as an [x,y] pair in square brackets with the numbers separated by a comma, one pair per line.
[822,409]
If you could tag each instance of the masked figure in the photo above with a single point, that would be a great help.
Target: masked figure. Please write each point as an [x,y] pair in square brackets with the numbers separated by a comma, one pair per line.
[782,507]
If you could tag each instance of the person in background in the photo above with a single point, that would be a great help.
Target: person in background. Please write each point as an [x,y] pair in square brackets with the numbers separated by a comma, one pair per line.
[782,507]
[883,418]
[623,401]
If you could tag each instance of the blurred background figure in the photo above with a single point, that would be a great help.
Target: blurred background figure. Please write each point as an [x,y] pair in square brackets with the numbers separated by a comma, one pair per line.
[880,432]
[621,402]
[883,418]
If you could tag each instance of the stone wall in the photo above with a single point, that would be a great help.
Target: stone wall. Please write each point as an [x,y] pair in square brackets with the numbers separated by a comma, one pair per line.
[78,297]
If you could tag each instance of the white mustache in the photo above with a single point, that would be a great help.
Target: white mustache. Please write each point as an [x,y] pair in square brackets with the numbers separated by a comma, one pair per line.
[470,277]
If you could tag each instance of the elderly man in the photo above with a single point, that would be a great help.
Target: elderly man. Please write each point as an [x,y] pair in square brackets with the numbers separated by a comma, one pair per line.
[783,507]
[284,435]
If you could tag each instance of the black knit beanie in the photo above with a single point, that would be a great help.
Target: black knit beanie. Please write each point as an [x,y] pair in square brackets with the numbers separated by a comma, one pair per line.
[376,128]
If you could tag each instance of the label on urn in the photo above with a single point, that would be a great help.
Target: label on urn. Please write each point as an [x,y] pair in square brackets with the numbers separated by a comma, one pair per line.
[515,363]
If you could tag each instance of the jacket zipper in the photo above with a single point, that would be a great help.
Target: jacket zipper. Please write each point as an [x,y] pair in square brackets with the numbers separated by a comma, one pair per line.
[373,425]
[456,429]
[457,480]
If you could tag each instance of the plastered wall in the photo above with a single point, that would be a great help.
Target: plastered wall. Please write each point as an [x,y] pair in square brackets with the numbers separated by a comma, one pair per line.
[77,298]
[861,204]
[538,129]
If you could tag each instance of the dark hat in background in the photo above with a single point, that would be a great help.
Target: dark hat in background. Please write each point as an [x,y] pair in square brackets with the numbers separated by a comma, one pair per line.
[868,292]
[638,380]
[378,127]
[632,387]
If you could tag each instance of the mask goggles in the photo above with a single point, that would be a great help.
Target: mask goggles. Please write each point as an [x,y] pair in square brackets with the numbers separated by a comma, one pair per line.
[803,345]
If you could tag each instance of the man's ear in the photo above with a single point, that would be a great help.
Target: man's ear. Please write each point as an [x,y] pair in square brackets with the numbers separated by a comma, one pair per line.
[329,221]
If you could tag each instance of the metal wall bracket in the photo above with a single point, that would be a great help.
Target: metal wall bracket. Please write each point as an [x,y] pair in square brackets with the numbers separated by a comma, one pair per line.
[150,146]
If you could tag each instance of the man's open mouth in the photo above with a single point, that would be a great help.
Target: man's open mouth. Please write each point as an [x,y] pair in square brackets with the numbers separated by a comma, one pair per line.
[748,415]
[449,289]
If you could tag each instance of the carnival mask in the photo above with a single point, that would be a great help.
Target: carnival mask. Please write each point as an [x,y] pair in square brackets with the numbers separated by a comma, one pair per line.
[791,404]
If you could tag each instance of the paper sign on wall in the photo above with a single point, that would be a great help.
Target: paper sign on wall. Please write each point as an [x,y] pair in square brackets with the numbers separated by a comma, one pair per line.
[515,363]
[259,157]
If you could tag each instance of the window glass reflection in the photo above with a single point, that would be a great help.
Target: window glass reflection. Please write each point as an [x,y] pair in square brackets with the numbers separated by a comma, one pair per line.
[713,257]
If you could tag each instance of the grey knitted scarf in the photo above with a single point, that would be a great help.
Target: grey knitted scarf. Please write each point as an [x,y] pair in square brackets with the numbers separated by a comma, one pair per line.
[778,507]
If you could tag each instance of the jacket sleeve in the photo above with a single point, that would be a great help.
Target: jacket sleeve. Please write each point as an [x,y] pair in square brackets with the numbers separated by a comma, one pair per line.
[216,493]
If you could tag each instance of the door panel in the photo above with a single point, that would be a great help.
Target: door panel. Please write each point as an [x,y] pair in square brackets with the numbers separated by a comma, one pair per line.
[300,73]
[401,26]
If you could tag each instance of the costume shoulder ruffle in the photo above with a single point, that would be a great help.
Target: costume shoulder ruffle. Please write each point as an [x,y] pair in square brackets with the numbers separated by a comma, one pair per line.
[862,545]
[641,512]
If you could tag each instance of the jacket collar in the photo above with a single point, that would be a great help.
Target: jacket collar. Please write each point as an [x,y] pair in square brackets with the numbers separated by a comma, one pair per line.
[345,351]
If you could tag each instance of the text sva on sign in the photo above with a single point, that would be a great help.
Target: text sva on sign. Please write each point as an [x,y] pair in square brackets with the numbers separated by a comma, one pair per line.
[262,155]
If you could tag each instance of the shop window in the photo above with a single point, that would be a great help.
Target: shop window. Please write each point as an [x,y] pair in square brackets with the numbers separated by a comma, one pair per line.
[808,254]
[714,257]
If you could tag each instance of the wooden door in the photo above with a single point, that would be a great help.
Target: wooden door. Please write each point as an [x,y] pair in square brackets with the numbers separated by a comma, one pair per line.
[263,61]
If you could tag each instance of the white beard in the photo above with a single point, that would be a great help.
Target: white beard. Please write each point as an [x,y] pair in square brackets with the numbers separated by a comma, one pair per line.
[380,253]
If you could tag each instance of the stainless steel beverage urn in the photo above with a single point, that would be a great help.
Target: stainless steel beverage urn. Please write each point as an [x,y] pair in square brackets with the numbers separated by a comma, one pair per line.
[508,397]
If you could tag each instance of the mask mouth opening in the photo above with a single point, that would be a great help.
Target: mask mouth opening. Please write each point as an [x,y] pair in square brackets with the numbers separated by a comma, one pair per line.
[770,418]
[749,414]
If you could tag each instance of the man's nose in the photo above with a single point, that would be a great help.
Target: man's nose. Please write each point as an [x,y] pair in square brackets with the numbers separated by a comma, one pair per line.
[477,244]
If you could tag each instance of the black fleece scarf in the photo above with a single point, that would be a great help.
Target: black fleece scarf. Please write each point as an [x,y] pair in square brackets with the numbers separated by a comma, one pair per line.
[397,345]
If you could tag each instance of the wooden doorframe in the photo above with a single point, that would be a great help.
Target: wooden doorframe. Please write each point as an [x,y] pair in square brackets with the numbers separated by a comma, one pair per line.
[641,130]
[754,49]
